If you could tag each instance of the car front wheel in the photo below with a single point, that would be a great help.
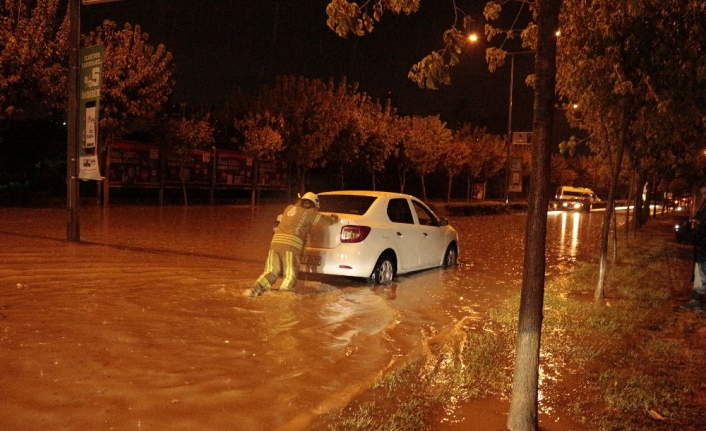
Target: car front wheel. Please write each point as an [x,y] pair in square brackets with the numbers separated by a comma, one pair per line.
[384,271]
[451,256]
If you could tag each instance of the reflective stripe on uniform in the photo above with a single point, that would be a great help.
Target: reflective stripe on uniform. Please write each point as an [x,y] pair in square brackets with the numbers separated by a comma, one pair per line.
[269,269]
[289,271]
[291,240]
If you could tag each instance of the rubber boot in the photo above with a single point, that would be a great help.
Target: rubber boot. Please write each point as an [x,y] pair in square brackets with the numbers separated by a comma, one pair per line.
[256,290]
[695,303]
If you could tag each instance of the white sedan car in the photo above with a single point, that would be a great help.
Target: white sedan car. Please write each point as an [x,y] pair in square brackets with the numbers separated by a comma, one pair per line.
[378,235]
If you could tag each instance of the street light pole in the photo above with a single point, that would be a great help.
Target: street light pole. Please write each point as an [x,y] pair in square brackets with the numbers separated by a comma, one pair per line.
[509,122]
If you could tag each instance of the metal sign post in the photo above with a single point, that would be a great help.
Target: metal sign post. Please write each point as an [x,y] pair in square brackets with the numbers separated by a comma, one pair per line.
[72,138]
[72,190]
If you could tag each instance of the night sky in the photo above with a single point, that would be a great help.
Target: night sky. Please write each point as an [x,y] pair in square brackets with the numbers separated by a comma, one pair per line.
[221,45]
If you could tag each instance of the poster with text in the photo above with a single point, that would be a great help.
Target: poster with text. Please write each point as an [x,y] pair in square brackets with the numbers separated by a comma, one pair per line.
[90,95]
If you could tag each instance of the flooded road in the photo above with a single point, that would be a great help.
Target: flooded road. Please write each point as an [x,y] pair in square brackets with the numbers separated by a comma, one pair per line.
[142,325]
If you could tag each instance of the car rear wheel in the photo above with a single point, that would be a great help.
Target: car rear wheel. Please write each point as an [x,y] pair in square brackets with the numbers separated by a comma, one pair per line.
[451,256]
[384,270]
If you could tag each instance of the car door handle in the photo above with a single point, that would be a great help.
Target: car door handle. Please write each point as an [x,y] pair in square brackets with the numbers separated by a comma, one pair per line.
[399,234]
[425,234]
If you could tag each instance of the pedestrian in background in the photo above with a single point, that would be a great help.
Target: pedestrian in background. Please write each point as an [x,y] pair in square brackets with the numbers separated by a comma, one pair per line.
[698,239]
[288,243]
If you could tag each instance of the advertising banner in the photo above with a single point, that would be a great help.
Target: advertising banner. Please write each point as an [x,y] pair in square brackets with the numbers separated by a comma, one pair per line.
[133,164]
[516,174]
[234,169]
[273,173]
[90,95]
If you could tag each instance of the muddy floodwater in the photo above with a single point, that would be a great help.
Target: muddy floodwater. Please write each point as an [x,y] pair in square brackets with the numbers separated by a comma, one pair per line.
[142,325]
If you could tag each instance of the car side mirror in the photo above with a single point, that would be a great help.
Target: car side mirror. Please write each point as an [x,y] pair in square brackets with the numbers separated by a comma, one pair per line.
[443,221]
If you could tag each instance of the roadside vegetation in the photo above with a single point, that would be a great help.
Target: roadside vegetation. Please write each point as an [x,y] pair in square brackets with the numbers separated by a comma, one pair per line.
[630,361]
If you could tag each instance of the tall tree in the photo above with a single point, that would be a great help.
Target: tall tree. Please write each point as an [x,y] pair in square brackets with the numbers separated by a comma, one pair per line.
[33,51]
[262,137]
[182,137]
[454,156]
[314,114]
[632,66]
[423,143]
[524,402]
[137,77]
[488,153]
[383,133]
[345,17]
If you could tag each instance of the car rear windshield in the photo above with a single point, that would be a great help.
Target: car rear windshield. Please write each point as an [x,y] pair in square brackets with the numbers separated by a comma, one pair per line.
[345,204]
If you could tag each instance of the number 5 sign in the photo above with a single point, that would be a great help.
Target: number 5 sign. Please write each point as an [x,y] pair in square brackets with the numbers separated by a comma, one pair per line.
[90,82]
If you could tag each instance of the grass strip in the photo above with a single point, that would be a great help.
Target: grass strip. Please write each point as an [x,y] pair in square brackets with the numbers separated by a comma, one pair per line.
[630,361]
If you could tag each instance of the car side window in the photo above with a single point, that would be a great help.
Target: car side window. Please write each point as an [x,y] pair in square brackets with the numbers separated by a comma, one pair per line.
[398,211]
[425,217]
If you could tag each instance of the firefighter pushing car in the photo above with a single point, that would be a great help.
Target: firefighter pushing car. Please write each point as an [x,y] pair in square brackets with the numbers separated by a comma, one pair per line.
[288,243]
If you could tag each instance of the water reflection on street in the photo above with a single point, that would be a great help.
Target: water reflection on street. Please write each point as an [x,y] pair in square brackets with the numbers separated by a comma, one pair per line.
[142,325]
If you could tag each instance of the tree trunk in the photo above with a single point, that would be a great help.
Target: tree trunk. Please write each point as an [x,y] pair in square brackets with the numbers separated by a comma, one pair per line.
[627,213]
[610,207]
[614,219]
[468,188]
[301,178]
[424,189]
[183,184]
[523,406]
[402,175]
[448,194]
[640,201]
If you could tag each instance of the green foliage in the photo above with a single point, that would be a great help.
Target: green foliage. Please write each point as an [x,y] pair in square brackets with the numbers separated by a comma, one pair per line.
[431,70]
[33,50]
[561,172]
[137,77]
[488,152]
[345,17]
[636,61]
[185,135]
[422,145]
[262,134]
[380,132]
[630,362]
[311,115]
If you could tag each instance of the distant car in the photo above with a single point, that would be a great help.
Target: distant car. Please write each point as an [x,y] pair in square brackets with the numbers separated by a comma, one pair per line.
[574,199]
[378,236]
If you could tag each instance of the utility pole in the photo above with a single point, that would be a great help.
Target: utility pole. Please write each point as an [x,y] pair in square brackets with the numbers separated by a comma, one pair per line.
[72,189]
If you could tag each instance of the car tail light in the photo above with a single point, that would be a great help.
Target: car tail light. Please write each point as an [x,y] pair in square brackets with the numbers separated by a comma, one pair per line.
[354,233]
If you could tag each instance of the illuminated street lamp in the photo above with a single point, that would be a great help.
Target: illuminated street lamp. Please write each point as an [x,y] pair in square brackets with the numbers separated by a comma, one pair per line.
[473,38]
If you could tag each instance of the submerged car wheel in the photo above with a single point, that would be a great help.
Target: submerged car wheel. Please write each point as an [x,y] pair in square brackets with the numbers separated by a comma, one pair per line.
[451,256]
[384,270]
